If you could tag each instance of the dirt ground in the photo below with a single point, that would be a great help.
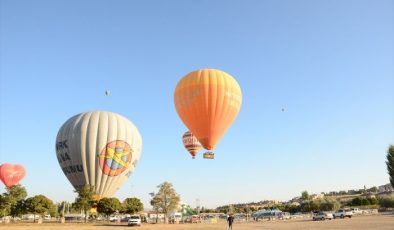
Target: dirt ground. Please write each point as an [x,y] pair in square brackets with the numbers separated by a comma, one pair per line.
[381,222]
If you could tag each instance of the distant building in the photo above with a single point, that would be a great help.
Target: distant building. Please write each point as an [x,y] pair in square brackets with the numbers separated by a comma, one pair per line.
[317,196]
[297,199]
[369,195]
[295,203]
[385,188]
[333,193]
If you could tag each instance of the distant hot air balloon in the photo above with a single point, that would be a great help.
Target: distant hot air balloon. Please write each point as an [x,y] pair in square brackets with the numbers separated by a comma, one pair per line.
[191,143]
[11,174]
[208,101]
[100,149]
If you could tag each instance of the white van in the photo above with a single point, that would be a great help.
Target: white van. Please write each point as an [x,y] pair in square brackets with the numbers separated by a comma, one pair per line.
[175,218]
[134,220]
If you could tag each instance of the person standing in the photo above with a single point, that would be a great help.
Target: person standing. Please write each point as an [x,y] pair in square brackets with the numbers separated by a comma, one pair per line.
[230,220]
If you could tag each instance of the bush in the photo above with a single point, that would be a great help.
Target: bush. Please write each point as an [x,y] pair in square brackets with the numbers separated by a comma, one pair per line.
[387,202]
[329,205]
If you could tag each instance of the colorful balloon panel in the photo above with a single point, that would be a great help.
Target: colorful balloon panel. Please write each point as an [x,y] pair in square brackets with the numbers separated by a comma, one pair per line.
[99,149]
[191,143]
[11,174]
[208,101]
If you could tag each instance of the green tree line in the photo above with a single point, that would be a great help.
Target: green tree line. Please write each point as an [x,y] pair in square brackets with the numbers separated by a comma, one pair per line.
[14,202]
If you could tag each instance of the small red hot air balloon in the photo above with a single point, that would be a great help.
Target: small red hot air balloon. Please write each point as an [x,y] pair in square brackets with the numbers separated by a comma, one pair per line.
[11,174]
[191,143]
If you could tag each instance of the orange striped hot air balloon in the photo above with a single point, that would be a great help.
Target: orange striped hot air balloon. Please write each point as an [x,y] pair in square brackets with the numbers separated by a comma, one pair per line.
[191,143]
[208,101]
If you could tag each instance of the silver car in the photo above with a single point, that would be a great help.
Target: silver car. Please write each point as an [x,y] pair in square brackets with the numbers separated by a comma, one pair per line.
[322,216]
[343,212]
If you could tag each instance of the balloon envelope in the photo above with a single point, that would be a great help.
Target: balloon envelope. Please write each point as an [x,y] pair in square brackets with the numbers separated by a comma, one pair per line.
[208,101]
[191,143]
[11,174]
[100,149]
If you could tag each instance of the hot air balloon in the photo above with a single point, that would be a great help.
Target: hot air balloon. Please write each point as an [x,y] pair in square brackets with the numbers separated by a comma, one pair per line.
[208,101]
[191,143]
[99,149]
[11,174]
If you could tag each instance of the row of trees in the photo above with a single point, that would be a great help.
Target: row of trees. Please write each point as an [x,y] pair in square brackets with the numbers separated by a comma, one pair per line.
[86,201]
[13,202]
[327,204]
[308,205]
[361,201]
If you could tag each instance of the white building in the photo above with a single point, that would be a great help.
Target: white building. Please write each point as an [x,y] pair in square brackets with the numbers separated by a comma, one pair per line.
[385,188]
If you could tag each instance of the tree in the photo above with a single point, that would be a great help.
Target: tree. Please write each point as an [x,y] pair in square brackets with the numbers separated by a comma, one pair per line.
[19,208]
[387,202]
[38,205]
[132,205]
[64,207]
[329,205]
[365,201]
[13,199]
[373,201]
[85,200]
[305,195]
[109,205]
[390,164]
[4,206]
[310,206]
[356,201]
[166,200]
[230,209]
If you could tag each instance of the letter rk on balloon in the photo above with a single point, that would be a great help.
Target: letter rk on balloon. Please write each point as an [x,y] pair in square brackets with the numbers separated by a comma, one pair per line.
[99,149]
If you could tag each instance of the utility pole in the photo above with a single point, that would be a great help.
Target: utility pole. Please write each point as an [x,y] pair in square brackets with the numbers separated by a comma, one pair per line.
[198,206]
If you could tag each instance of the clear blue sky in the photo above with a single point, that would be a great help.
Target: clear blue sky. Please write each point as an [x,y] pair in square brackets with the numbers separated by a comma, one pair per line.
[330,64]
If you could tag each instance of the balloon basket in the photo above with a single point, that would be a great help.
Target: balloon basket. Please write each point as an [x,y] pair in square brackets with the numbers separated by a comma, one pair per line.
[209,155]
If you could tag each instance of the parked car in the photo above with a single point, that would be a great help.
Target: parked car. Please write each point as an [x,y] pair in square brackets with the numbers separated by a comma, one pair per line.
[187,219]
[322,216]
[113,218]
[343,212]
[297,215]
[357,211]
[175,218]
[134,220]
[284,216]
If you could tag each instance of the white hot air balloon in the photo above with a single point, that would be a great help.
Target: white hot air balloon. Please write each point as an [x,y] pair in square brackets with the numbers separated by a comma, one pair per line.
[100,149]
